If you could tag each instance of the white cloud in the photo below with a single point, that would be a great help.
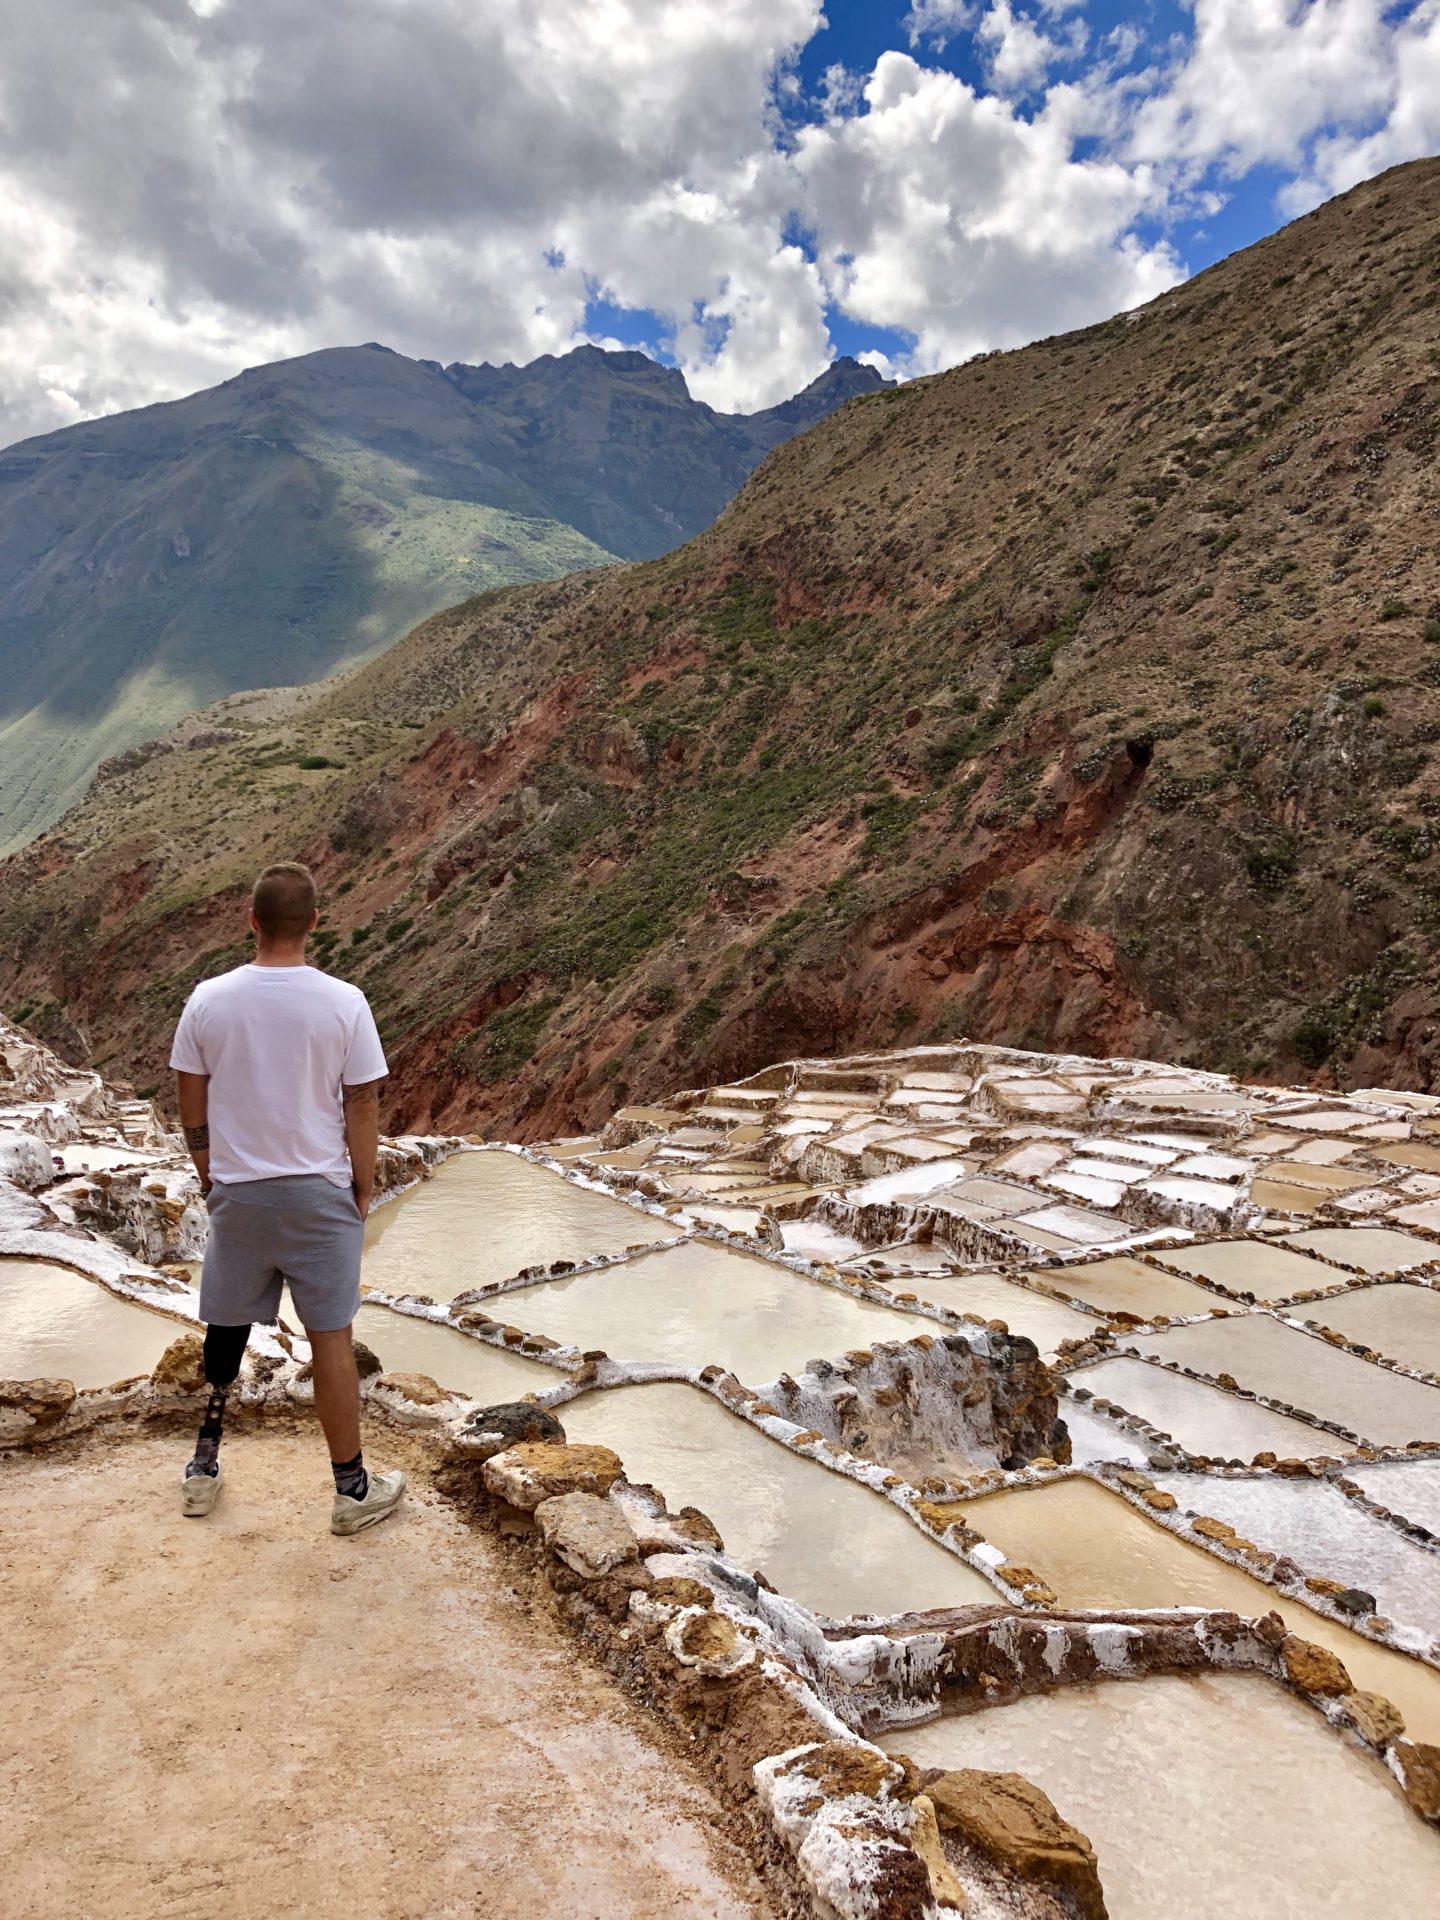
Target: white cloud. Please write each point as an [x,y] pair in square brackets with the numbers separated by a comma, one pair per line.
[222,184]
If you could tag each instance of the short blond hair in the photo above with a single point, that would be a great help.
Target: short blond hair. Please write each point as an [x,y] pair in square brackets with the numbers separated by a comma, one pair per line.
[283,901]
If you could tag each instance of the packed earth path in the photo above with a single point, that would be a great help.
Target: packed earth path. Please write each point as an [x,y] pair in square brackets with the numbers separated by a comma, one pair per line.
[246,1712]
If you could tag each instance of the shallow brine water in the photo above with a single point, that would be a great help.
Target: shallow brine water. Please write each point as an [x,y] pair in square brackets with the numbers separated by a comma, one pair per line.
[1095,1550]
[1399,1321]
[700,1303]
[1251,1266]
[404,1344]
[1271,1358]
[1204,1419]
[483,1216]
[1367,1249]
[1206,1795]
[57,1325]
[1123,1285]
[1324,1533]
[815,1535]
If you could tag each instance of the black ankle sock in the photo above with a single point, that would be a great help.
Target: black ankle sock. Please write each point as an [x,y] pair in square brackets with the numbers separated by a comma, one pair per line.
[351,1478]
[207,1446]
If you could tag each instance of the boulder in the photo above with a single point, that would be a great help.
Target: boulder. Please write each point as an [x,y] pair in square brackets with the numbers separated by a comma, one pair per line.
[42,1402]
[1312,1669]
[418,1388]
[587,1533]
[539,1470]
[367,1361]
[181,1367]
[1420,1776]
[1373,1717]
[1161,1501]
[710,1642]
[1011,1822]
[494,1429]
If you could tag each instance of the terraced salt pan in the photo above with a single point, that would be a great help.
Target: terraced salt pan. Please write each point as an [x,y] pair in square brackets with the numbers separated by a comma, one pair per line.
[1399,1321]
[1202,1418]
[817,1536]
[483,1216]
[818,1241]
[1166,1776]
[1046,1322]
[1323,1532]
[488,1374]
[1407,1487]
[57,1325]
[1094,1438]
[1270,1358]
[1367,1249]
[1251,1266]
[1096,1550]
[697,1303]
[81,1156]
[1123,1285]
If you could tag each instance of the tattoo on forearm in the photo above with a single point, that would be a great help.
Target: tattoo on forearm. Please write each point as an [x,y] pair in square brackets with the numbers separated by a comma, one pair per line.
[197,1139]
[362,1093]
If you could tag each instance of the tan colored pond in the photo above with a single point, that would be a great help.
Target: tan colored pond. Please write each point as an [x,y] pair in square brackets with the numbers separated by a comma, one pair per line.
[1367,1249]
[483,1216]
[1204,1419]
[1251,1266]
[815,1535]
[1047,1322]
[57,1325]
[489,1374]
[1096,1550]
[1206,1795]
[1399,1321]
[699,1303]
[1271,1358]
[1123,1285]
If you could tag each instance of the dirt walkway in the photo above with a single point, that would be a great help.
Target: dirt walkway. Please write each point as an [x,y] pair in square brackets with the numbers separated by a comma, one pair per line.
[247,1715]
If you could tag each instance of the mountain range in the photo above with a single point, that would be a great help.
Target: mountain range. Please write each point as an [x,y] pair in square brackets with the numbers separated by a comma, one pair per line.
[1085,696]
[302,516]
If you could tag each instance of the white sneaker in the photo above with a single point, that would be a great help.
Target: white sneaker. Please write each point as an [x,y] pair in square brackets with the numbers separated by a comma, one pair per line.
[382,1496]
[201,1491]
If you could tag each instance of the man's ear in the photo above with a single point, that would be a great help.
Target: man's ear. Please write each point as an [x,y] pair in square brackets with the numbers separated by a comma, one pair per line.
[254,923]
[315,919]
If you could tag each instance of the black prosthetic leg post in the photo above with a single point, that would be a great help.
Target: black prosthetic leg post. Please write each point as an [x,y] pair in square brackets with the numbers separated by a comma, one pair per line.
[224,1350]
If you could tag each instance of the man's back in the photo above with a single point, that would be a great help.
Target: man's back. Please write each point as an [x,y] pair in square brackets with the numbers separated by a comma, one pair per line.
[278,1043]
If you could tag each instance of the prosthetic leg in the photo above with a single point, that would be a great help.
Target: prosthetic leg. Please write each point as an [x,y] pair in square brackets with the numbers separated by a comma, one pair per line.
[224,1350]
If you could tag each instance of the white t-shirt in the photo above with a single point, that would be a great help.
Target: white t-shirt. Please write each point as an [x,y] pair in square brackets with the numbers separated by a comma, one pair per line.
[278,1044]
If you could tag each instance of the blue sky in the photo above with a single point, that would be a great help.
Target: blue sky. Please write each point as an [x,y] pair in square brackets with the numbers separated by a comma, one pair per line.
[746,187]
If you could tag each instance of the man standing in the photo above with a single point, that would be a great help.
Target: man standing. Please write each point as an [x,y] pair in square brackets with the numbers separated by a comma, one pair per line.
[279,1069]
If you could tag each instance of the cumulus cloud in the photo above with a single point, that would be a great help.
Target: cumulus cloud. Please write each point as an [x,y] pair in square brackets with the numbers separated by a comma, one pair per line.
[228,181]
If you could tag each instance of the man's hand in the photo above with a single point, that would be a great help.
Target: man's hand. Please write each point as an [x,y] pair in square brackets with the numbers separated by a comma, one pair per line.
[362,1137]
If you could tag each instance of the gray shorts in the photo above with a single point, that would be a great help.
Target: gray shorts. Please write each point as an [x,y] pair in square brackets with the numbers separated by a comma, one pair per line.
[302,1229]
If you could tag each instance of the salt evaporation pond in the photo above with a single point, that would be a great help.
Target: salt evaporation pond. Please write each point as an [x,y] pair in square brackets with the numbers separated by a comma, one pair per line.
[1094,1438]
[1367,1249]
[1123,1285]
[1204,1419]
[1096,1550]
[1400,1321]
[699,1303]
[482,1217]
[488,1374]
[1047,1322]
[1265,1355]
[815,1535]
[1205,1795]
[57,1325]
[1324,1533]
[1410,1488]
[1251,1266]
